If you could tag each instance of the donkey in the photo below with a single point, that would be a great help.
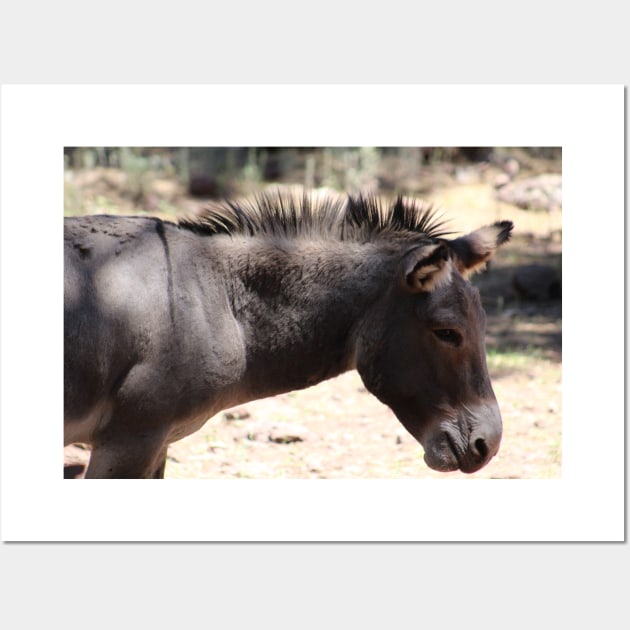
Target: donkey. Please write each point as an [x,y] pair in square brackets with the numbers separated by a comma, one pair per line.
[168,323]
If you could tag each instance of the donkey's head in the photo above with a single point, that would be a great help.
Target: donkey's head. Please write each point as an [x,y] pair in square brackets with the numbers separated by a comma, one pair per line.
[421,351]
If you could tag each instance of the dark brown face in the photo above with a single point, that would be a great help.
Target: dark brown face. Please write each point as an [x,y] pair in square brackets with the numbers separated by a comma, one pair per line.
[423,355]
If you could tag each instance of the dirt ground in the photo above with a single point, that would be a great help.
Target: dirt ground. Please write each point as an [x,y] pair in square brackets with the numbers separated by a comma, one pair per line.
[338,430]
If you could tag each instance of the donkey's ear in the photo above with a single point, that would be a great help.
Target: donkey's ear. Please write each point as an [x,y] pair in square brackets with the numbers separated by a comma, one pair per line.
[475,249]
[427,267]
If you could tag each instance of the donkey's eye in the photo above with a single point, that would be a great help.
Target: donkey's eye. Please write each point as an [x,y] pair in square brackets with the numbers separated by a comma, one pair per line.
[448,335]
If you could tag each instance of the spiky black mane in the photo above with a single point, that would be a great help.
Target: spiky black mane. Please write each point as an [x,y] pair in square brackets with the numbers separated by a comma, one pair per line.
[356,218]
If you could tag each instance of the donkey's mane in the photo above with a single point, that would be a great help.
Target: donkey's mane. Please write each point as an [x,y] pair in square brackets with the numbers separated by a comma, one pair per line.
[356,218]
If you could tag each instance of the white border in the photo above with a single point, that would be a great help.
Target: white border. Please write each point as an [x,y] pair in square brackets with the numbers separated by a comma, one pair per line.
[587,121]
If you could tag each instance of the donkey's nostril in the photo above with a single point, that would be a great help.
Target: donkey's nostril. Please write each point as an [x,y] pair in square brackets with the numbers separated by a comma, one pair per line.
[481,448]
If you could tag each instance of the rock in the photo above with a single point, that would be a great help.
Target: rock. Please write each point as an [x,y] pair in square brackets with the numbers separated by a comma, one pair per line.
[501,180]
[511,168]
[278,432]
[238,413]
[543,192]
[537,282]
[285,433]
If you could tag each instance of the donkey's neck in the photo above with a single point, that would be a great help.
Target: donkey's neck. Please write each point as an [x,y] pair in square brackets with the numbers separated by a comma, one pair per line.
[298,304]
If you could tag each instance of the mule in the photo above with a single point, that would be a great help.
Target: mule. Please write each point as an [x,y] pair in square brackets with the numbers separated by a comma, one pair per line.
[167,323]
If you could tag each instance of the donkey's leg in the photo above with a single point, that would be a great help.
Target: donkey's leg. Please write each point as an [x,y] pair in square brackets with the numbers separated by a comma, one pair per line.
[132,459]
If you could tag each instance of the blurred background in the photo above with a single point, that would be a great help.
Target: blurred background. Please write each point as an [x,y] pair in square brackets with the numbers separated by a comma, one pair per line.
[336,429]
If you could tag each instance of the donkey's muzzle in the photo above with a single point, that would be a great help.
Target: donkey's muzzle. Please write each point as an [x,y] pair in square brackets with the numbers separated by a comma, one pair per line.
[466,441]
